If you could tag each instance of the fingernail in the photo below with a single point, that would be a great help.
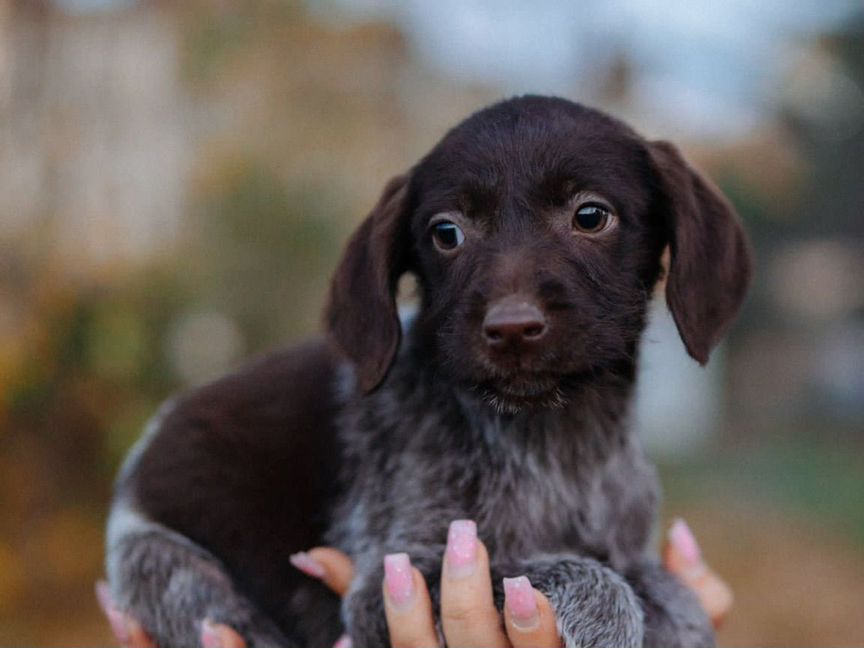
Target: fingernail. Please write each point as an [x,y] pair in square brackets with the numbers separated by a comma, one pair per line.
[343,642]
[684,541]
[461,548]
[210,637]
[119,625]
[117,620]
[398,579]
[103,595]
[307,564]
[521,603]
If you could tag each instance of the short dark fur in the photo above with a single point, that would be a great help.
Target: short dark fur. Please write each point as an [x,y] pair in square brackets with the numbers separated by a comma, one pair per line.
[531,441]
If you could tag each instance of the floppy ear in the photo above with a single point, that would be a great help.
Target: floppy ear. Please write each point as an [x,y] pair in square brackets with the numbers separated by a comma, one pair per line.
[361,315]
[709,269]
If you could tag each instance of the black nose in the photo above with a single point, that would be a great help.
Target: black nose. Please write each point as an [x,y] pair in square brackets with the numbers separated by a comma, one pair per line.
[513,322]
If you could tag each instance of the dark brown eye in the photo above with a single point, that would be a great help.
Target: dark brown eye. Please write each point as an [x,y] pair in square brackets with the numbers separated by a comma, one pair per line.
[447,235]
[592,219]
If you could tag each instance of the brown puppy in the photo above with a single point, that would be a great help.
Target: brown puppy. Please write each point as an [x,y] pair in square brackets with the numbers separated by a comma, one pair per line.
[535,230]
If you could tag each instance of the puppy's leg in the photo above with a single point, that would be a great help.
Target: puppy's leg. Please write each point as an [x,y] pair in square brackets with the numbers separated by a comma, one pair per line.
[673,616]
[594,606]
[363,611]
[170,585]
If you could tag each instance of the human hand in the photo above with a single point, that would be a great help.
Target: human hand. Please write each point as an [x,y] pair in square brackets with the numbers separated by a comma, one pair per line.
[467,614]
[681,556]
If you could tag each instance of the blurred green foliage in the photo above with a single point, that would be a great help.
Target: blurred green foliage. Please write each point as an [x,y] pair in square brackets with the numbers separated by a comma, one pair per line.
[805,477]
[263,242]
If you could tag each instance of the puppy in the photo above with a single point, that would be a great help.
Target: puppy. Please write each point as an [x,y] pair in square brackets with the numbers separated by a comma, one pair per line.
[535,230]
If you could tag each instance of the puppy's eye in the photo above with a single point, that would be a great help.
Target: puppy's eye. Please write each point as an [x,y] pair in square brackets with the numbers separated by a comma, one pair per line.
[592,219]
[447,235]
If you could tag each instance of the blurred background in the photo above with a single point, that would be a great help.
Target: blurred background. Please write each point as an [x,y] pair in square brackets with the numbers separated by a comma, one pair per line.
[177,179]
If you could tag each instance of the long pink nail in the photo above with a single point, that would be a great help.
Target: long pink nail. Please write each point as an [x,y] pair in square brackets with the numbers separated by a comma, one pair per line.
[117,620]
[461,548]
[398,579]
[103,595]
[521,603]
[307,564]
[119,625]
[683,540]
[343,642]
[210,637]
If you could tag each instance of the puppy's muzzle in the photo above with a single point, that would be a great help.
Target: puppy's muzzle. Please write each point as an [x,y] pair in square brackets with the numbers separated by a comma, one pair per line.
[513,323]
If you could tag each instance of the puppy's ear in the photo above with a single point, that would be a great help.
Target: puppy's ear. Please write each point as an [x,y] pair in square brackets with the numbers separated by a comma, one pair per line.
[709,269]
[361,315]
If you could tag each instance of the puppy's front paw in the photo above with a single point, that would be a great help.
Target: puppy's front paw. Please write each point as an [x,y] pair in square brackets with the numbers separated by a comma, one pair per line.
[594,606]
[618,624]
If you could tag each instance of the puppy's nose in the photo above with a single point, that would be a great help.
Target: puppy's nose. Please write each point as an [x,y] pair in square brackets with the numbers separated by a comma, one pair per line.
[512,322]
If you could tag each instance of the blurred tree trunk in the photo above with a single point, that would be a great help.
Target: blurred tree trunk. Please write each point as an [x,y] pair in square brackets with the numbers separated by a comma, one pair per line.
[91,152]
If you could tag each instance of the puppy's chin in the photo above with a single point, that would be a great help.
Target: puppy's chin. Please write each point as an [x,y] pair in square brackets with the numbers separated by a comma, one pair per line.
[517,395]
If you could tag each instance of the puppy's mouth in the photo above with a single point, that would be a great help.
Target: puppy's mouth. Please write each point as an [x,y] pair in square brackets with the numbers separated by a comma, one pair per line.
[514,394]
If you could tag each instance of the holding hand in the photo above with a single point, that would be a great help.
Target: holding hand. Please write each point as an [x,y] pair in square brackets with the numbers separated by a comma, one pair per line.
[468,614]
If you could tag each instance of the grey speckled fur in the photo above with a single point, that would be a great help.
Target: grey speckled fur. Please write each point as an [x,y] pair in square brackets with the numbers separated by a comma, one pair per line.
[176,580]
[564,496]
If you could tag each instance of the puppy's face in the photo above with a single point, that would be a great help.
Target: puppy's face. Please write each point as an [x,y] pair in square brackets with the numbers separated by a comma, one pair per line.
[536,246]
[535,229]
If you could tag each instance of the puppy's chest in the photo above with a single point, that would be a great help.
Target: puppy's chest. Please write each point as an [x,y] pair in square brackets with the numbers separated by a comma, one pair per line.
[548,488]
[526,503]
[531,486]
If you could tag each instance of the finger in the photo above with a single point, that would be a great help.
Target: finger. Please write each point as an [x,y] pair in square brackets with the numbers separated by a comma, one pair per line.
[136,636]
[468,613]
[407,604]
[682,557]
[344,642]
[127,630]
[218,635]
[338,568]
[528,616]
[329,565]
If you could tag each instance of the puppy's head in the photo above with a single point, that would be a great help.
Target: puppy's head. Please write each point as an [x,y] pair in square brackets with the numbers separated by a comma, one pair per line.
[535,229]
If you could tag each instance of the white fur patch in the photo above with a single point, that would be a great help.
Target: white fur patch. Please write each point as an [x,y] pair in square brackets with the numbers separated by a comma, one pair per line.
[150,430]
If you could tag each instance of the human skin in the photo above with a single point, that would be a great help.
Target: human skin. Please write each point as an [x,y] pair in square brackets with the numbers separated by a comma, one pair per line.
[468,615]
